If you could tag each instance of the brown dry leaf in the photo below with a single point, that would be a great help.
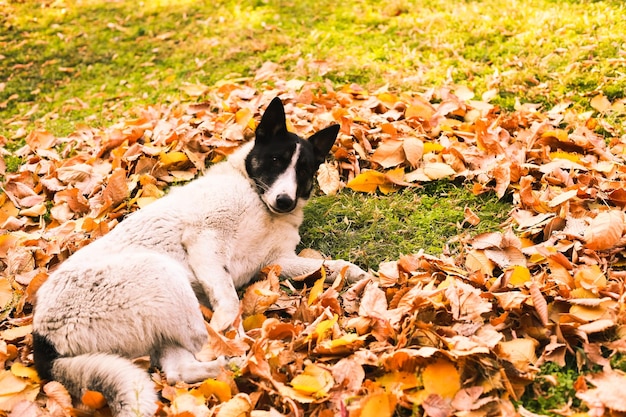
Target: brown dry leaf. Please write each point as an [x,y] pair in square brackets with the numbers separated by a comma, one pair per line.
[219,345]
[540,303]
[465,302]
[58,401]
[239,406]
[389,154]
[40,139]
[600,103]
[608,392]
[605,230]
[328,178]
[116,190]
[14,390]
[258,298]
[520,352]
[413,150]
[438,170]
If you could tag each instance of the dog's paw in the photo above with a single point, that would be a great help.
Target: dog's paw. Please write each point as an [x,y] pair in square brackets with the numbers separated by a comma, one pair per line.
[351,272]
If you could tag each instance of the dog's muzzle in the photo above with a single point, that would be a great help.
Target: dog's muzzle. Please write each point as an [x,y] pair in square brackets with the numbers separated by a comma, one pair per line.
[283,204]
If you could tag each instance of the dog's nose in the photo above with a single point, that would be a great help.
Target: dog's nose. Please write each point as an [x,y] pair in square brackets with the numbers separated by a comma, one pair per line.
[285,203]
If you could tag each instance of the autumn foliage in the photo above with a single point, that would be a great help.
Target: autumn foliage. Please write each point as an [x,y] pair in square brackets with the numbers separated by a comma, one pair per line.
[462,335]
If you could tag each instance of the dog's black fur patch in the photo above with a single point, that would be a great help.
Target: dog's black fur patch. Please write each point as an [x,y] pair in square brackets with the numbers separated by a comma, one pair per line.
[44,355]
[274,149]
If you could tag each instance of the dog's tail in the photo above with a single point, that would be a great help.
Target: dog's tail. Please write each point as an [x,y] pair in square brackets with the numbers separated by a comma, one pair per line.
[127,388]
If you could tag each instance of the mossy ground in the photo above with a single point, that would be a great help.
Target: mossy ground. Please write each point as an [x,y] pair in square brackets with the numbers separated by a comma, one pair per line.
[368,230]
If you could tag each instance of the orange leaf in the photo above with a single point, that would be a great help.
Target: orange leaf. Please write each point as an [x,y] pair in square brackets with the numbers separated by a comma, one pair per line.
[219,389]
[441,378]
[379,405]
[93,399]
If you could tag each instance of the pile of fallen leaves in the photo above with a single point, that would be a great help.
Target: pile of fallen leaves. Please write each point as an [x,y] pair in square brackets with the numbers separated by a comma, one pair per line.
[463,335]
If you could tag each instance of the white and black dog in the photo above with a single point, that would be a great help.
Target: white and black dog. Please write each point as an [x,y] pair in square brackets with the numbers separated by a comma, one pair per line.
[136,291]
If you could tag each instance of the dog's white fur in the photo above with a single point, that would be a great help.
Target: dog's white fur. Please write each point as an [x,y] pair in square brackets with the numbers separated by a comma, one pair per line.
[137,290]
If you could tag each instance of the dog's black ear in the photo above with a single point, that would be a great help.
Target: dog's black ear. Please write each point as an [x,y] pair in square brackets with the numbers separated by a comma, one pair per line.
[323,142]
[273,123]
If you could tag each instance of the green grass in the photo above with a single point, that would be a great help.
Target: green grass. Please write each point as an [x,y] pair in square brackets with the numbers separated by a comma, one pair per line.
[62,63]
[368,230]
[553,388]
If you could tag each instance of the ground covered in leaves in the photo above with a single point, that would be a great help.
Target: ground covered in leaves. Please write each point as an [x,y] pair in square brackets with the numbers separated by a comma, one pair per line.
[462,335]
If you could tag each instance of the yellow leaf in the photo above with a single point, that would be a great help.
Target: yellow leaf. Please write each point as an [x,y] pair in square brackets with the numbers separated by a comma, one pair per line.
[587,313]
[432,147]
[347,343]
[570,156]
[314,381]
[213,387]
[318,288]
[23,371]
[379,405]
[253,322]
[387,98]
[560,134]
[367,181]
[519,276]
[172,157]
[243,117]
[194,90]
[441,378]
[14,389]
[323,327]
[398,380]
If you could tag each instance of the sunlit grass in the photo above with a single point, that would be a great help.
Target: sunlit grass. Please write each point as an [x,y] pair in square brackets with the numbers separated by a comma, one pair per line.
[115,55]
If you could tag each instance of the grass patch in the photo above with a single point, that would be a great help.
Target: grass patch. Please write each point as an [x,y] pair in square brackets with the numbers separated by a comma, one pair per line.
[552,390]
[64,62]
[368,230]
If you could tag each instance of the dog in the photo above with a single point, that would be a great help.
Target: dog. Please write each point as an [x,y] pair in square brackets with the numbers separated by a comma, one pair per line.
[137,291]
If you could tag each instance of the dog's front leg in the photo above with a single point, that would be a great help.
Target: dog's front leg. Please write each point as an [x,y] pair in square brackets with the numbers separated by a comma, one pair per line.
[293,266]
[211,272]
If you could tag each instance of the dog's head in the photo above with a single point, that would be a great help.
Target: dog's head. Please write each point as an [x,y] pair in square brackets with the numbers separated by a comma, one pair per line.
[281,163]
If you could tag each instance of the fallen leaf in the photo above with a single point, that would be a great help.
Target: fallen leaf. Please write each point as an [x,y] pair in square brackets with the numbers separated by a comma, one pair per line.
[441,378]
